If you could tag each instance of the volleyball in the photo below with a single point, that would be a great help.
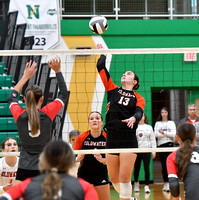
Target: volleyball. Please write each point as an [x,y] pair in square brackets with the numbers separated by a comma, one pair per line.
[98,24]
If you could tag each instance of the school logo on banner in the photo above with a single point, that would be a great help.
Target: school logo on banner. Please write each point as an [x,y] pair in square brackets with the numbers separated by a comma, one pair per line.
[33,11]
[42,19]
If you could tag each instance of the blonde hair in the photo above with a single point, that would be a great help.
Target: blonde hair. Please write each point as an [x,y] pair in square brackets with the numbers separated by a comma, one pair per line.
[32,95]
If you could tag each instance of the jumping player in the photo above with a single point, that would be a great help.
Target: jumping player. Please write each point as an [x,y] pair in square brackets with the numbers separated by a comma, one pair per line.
[8,165]
[34,123]
[55,183]
[124,111]
[183,164]
[93,167]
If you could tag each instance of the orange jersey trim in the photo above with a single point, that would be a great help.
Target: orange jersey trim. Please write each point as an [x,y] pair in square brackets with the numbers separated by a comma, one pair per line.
[140,100]
[108,83]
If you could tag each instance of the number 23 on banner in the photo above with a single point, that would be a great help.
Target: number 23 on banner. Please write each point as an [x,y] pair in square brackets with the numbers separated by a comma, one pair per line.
[40,41]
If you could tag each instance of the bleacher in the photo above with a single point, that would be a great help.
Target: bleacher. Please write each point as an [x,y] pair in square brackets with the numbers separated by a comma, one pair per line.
[8,126]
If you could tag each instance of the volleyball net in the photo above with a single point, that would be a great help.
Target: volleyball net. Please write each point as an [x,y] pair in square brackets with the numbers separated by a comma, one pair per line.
[168,78]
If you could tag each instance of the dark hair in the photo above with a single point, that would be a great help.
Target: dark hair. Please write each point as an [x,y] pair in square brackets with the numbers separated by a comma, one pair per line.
[186,132]
[74,133]
[58,158]
[160,116]
[33,93]
[95,112]
[146,121]
[3,143]
[137,79]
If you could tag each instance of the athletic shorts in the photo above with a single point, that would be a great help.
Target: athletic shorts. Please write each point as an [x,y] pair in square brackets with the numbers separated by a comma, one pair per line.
[121,139]
[98,178]
[23,174]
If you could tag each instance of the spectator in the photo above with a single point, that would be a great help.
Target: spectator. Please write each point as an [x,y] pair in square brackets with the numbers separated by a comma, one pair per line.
[192,118]
[146,139]
[73,136]
[165,131]
[72,139]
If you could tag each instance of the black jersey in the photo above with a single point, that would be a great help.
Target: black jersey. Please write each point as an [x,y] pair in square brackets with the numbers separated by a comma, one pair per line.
[191,181]
[90,168]
[31,189]
[122,104]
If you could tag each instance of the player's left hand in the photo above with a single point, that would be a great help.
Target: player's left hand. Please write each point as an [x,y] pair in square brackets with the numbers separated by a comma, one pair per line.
[130,122]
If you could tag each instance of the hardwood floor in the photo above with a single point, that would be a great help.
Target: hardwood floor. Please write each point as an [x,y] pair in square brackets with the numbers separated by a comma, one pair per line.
[156,193]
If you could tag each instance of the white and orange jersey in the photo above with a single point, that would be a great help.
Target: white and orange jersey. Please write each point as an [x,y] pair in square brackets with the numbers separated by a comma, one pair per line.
[8,174]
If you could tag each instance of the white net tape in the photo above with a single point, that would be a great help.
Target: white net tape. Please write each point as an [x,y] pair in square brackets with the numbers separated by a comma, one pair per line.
[98,51]
[104,151]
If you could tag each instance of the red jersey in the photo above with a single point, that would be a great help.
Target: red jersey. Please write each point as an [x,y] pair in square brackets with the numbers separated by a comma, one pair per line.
[31,189]
[191,180]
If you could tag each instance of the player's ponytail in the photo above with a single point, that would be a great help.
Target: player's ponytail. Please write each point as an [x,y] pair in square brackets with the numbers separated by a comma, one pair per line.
[56,158]
[32,95]
[135,87]
[187,133]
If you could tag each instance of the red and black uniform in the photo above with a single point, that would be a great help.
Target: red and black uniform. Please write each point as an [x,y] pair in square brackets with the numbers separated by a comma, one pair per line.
[31,189]
[122,104]
[191,180]
[32,145]
[90,168]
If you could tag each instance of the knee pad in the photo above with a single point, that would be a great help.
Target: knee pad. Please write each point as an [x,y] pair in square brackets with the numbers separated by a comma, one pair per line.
[125,190]
[116,187]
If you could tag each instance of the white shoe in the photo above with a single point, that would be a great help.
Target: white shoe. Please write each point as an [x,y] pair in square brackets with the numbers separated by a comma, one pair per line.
[133,198]
[136,187]
[146,189]
[166,187]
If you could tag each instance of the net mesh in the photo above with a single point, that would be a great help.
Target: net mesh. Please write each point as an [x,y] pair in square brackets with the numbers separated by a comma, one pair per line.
[168,77]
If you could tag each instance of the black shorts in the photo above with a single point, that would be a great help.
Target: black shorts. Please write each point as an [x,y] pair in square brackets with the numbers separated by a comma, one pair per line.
[98,178]
[121,139]
[23,174]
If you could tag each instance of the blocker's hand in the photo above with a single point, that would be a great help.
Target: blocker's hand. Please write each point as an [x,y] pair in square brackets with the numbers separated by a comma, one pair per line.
[30,69]
[55,64]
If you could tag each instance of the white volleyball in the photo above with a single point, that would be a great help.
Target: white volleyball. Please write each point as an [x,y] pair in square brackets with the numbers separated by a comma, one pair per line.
[98,24]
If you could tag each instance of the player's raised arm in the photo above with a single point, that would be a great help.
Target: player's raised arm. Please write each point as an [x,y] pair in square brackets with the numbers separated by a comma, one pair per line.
[104,74]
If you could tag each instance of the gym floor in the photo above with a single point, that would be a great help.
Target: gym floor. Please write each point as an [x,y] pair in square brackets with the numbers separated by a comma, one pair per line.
[155,194]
